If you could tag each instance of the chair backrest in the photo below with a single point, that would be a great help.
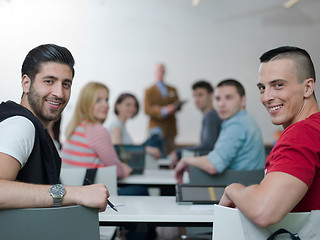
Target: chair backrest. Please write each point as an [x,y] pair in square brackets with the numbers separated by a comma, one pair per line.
[246,177]
[63,223]
[108,176]
[229,224]
[105,175]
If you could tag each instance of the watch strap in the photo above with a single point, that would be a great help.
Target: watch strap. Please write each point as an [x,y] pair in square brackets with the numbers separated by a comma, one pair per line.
[57,202]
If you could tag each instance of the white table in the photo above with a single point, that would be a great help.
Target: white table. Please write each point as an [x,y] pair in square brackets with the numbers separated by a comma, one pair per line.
[164,162]
[150,177]
[159,211]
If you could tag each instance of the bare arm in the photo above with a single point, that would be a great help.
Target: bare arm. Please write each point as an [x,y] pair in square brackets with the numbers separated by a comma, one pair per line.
[15,194]
[267,203]
[115,135]
[202,163]
[154,151]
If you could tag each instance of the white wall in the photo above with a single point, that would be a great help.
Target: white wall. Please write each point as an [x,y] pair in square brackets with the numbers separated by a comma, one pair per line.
[118,41]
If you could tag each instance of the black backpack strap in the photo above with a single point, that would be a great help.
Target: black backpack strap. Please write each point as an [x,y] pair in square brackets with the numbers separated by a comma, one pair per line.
[281,231]
[90,176]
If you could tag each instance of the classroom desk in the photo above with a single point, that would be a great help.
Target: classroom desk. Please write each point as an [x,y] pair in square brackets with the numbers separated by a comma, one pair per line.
[163,162]
[153,178]
[157,211]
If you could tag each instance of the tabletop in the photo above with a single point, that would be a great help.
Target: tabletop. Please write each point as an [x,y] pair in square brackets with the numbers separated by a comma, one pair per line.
[157,210]
[154,177]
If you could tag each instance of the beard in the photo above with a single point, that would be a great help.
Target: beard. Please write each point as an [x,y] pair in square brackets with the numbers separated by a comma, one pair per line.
[37,104]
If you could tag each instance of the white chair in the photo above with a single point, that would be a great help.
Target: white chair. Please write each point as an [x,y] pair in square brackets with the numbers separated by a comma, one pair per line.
[72,176]
[230,223]
[63,223]
[108,176]
[105,175]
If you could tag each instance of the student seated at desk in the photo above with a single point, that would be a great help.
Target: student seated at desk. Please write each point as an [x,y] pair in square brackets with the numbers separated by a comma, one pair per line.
[29,162]
[88,143]
[126,107]
[239,145]
[211,123]
[292,181]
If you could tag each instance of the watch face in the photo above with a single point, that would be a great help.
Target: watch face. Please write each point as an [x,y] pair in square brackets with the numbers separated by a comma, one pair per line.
[57,190]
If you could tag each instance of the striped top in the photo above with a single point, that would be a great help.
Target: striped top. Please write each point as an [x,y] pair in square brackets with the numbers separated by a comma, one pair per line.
[90,146]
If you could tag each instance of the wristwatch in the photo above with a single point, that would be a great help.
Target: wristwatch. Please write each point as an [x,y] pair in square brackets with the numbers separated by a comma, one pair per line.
[57,192]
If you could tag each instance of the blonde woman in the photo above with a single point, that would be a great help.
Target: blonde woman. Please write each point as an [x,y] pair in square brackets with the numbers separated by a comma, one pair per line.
[88,143]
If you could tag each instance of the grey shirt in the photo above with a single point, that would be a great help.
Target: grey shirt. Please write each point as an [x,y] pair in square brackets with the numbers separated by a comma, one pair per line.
[125,137]
[211,124]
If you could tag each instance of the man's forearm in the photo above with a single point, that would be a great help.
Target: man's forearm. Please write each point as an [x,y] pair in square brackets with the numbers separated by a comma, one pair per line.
[250,201]
[22,195]
[202,163]
[268,202]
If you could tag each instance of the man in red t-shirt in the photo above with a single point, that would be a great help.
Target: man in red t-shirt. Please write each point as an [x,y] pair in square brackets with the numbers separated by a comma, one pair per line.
[292,181]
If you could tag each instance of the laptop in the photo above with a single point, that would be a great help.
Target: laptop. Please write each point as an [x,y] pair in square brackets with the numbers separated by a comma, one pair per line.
[188,194]
[133,155]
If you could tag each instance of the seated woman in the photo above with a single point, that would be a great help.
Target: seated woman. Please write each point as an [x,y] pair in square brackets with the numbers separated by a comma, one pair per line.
[88,143]
[127,107]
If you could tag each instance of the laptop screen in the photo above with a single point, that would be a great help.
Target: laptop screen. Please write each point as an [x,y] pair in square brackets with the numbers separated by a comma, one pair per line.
[133,155]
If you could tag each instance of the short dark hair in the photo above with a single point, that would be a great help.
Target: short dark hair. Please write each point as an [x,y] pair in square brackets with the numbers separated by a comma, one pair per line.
[235,83]
[304,66]
[121,98]
[203,84]
[46,53]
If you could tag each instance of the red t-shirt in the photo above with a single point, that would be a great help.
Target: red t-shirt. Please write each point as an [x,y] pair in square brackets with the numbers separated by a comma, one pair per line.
[297,152]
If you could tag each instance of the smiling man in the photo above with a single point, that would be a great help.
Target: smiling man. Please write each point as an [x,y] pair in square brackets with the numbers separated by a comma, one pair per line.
[239,145]
[292,181]
[29,162]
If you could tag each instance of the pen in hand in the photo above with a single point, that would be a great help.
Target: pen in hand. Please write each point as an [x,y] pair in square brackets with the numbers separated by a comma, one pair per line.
[112,206]
[88,182]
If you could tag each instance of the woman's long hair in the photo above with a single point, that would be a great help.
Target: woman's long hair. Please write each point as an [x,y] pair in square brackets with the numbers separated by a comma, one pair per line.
[85,103]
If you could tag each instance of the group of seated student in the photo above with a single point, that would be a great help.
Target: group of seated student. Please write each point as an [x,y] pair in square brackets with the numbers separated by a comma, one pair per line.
[88,143]
[239,145]
[211,122]
[30,165]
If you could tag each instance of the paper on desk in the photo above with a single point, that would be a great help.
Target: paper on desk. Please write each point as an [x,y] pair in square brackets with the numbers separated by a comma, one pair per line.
[202,207]
[116,205]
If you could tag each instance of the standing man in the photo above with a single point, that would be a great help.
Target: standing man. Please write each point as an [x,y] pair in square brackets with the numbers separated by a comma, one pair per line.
[161,104]
[29,162]
[292,180]
[239,145]
[211,123]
